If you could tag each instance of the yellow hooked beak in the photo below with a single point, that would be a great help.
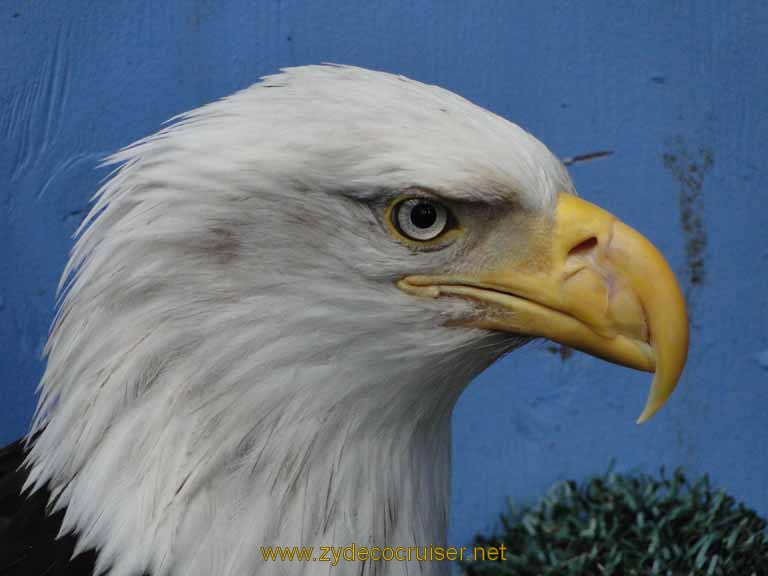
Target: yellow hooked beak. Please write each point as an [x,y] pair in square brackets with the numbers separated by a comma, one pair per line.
[591,283]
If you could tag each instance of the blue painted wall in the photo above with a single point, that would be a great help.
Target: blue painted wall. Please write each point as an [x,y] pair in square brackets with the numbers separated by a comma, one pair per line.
[678,89]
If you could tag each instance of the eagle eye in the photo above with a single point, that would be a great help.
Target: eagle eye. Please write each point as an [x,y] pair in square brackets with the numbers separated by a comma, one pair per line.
[420,219]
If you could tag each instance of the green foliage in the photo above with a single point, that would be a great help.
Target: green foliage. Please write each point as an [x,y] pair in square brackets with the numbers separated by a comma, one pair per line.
[621,525]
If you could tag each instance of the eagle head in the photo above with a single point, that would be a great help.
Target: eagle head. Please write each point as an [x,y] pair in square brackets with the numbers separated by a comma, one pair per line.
[276,300]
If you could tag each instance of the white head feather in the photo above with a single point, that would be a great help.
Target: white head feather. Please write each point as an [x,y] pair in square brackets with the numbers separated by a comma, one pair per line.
[232,366]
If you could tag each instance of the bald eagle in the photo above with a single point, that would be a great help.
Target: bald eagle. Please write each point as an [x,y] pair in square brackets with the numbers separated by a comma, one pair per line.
[271,310]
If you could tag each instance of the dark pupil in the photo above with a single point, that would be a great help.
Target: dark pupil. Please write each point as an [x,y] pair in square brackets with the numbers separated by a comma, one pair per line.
[423,215]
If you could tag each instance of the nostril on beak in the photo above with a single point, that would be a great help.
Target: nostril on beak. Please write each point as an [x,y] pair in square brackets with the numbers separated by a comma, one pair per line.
[584,247]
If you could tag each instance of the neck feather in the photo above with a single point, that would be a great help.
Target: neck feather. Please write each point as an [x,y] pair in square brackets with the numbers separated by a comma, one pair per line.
[185,455]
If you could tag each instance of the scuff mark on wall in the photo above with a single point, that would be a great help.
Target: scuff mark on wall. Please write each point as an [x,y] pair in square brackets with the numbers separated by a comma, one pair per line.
[76,214]
[31,116]
[563,351]
[68,167]
[689,167]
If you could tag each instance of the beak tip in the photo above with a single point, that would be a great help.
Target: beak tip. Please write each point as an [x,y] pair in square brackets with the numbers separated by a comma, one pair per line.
[656,401]
[644,417]
[648,412]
